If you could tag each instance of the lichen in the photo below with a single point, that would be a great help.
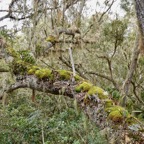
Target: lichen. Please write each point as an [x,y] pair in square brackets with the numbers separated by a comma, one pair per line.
[84,86]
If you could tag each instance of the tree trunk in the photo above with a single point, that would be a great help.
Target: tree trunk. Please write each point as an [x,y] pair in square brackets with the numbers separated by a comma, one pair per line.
[139,7]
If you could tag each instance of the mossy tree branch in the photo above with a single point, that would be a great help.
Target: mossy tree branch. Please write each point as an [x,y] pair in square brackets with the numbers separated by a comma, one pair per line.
[91,99]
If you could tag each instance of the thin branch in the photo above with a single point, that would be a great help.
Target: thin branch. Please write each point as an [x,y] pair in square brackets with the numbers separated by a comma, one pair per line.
[106,11]
[109,65]
[9,11]
[21,18]
[115,47]
[4,17]
[105,77]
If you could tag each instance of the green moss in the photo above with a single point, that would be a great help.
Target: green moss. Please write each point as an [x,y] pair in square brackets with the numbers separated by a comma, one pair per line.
[22,63]
[44,73]
[51,39]
[39,74]
[108,103]
[47,73]
[78,78]
[131,120]
[117,113]
[116,116]
[23,55]
[64,74]
[97,90]
[84,86]
[116,107]
[32,70]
